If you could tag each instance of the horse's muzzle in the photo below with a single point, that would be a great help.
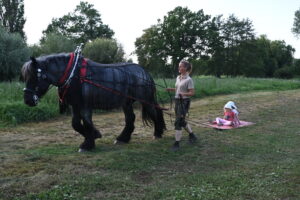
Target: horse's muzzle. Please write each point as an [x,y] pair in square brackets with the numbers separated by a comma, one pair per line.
[30,98]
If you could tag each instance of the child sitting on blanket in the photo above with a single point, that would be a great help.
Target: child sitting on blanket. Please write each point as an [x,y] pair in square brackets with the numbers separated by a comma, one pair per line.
[230,115]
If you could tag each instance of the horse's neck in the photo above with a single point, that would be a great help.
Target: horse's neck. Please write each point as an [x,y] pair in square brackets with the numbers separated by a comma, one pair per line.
[57,70]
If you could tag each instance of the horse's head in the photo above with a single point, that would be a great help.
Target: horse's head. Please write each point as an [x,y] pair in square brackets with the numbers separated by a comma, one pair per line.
[37,83]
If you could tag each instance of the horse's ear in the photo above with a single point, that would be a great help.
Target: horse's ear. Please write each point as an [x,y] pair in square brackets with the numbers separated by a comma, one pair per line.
[33,60]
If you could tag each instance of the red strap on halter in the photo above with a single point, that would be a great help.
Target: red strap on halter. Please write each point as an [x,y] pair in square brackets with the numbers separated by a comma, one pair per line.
[67,70]
[83,68]
[63,93]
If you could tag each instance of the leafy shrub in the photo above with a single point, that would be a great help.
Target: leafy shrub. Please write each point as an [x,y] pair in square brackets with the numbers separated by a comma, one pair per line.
[296,66]
[13,53]
[53,43]
[104,51]
[284,72]
[57,43]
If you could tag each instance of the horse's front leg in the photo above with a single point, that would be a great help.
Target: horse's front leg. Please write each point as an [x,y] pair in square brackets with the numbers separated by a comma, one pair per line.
[76,121]
[77,125]
[90,133]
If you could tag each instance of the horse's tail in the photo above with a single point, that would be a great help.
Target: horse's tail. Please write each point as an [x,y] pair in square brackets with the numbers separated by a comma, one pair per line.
[160,118]
[153,113]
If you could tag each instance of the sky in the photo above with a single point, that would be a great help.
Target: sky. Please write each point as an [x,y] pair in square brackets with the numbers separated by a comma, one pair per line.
[128,19]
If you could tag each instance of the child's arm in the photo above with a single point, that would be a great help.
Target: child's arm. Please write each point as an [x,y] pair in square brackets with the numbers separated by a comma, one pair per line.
[170,89]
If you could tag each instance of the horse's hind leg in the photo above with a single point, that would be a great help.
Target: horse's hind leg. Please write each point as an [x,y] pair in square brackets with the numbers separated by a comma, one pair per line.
[156,115]
[125,135]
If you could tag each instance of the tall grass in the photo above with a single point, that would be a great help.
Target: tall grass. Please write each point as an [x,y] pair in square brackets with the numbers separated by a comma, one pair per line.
[209,86]
[13,111]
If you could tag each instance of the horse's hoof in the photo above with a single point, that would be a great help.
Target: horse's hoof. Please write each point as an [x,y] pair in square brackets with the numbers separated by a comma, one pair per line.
[97,134]
[82,150]
[117,142]
[156,137]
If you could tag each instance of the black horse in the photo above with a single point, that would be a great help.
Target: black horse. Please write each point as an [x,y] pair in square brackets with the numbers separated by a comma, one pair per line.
[91,85]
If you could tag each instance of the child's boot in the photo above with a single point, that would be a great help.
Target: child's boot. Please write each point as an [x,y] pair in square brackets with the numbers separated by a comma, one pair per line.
[175,146]
[192,138]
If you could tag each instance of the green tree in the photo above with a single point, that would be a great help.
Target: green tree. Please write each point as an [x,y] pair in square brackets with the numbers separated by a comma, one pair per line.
[282,52]
[13,54]
[149,51]
[283,56]
[104,50]
[236,32]
[259,63]
[54,43]
[296,66]
[230,47]
[250,59]
[82,25]
[182,34]
[12,16]
[216,48]
[270,56]
[296,25]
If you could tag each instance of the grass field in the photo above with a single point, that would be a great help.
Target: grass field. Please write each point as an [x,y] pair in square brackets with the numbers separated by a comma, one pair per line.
[13,111]
[262,162]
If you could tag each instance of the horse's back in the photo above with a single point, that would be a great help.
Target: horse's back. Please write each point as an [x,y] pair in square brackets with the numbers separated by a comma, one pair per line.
[112,84]
[96,64]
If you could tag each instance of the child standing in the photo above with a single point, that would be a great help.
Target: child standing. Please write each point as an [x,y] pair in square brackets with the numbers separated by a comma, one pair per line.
[184,89]
[230,115]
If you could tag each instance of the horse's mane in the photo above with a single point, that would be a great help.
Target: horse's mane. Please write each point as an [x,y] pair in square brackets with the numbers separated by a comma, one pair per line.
[27,68]
[26,71]
[44,58]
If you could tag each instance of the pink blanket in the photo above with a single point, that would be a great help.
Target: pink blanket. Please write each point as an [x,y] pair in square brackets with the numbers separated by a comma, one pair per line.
[243,123]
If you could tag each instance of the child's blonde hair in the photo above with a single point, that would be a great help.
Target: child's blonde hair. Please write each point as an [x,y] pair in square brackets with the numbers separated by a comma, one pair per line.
[187,65]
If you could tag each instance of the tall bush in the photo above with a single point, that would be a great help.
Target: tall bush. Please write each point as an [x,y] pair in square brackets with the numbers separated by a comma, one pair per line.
[284,72]
[13,53]
[104,50]
[296,66]
[53,43]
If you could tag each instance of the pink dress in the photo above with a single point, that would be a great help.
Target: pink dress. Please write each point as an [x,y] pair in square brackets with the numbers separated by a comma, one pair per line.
[227,120]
